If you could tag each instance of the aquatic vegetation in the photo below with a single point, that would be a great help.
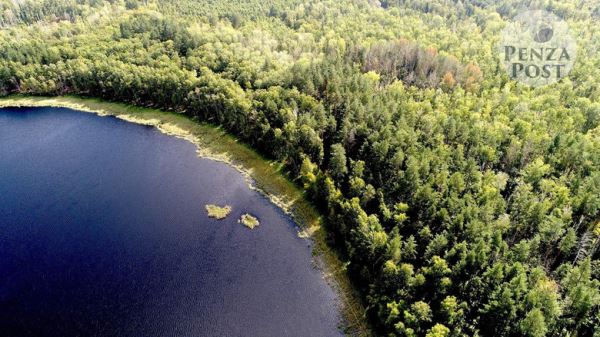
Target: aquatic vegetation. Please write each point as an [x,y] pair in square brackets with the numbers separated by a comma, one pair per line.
[218,212]
[249,221]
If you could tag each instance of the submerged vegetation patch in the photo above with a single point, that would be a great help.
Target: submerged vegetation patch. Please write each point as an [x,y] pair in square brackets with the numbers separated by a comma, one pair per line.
[249,221]
[218,212]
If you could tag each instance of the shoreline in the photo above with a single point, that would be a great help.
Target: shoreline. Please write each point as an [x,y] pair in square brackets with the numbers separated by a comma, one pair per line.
[261,174]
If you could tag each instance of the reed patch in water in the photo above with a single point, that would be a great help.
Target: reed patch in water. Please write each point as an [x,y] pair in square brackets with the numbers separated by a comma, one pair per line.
[218,212]
[249,221]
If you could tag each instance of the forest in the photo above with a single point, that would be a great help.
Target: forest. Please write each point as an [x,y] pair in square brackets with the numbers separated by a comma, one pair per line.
[464,203]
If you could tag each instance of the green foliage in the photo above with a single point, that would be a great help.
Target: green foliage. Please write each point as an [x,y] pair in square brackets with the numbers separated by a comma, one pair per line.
[465,203]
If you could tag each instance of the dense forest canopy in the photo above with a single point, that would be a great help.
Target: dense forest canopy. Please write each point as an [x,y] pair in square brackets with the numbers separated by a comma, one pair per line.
[465,203]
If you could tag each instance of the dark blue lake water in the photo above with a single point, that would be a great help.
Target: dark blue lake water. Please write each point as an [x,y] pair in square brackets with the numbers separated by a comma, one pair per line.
[103,232]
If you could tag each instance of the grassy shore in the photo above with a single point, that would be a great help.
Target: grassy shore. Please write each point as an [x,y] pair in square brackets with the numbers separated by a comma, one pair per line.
[263,175]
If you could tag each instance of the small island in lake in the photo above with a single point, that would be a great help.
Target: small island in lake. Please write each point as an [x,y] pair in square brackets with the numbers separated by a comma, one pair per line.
[218,212]
[249,221]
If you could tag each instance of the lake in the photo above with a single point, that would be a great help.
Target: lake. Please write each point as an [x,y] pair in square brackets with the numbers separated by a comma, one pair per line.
[104,232]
